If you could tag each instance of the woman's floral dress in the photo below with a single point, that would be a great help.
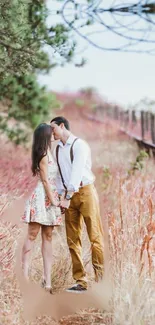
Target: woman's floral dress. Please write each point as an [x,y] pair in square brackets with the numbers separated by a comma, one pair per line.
[38,207]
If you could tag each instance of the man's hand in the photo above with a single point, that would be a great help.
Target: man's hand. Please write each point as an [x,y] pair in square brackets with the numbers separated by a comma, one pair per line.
[62,210]
[65,203]
[71,193]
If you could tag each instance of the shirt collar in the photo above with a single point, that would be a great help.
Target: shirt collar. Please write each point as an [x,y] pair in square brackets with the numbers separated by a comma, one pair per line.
[69,141]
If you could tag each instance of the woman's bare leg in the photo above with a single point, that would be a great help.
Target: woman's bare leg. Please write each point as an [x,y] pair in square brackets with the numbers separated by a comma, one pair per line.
[47,253]
[33,230]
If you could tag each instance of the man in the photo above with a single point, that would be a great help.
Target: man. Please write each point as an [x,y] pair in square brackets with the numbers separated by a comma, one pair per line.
[81,201]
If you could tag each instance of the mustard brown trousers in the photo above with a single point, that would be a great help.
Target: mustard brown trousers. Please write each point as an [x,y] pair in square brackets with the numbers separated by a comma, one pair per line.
[84,205]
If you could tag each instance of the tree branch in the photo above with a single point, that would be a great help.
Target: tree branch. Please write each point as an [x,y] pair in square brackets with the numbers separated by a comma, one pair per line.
[126,32]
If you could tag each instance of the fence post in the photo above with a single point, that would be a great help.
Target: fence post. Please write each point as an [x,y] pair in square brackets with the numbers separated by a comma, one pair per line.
[152,128]
[142,124]
[121,117]
[147,115]
[133,117]
[116,112]
[101,110]
[126,117]
[108,110]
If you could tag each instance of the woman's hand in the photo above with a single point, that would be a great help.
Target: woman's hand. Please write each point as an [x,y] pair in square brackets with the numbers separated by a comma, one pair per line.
[65,203]
[55,203]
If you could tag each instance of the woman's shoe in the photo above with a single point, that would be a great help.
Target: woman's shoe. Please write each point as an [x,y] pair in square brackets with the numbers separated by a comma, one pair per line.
[43,283]
[47,288]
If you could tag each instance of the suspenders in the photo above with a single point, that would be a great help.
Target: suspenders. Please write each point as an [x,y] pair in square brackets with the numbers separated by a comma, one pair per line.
[71,157]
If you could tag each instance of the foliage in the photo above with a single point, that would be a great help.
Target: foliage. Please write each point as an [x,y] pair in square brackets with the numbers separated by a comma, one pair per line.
[105,177]
[15,134]
[79,102]
[94,107]
[128,245]
[139,162]
[24,32]
[25,39]
[88,91]
[28,102]
[24,92]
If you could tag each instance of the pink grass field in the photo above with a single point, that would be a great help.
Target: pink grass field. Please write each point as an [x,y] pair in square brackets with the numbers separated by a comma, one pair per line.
[128,217]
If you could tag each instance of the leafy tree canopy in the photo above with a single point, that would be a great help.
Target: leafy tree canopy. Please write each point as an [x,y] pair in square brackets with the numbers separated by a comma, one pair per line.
[24,37]
[24,32]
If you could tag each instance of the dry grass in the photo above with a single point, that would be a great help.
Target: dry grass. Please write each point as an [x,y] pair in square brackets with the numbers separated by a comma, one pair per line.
[128,208]
[132,262]
[127,205]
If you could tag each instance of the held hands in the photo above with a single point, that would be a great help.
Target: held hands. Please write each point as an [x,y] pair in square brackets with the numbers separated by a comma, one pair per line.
[65,203]
[55,203]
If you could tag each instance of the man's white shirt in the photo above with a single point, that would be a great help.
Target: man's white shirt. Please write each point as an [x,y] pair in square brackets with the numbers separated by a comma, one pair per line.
[76,171]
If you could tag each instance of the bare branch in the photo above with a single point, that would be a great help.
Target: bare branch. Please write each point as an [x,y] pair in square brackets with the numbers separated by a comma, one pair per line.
[136,33]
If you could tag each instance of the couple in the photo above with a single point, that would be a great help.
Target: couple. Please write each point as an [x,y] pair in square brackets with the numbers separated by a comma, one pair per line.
[65,185]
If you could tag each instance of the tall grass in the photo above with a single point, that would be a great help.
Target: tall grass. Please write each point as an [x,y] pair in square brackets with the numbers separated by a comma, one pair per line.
[127,205]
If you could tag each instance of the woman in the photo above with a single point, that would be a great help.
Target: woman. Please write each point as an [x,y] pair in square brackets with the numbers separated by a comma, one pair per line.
[43,207]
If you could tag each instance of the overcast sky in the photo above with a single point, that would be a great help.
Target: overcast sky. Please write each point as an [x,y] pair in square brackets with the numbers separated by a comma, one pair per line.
[121,77]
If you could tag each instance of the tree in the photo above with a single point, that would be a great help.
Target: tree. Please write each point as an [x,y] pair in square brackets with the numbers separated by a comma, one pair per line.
[24,32]
[24,35]
[27,102]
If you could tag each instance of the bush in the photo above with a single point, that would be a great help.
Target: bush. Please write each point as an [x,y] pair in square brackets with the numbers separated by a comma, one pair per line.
[28,103]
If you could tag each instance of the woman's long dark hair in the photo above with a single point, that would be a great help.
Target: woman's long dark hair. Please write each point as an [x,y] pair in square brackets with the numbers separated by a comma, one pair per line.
[41,143]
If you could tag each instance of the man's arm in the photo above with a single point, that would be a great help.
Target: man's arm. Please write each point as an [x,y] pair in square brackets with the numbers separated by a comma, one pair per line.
[80,154]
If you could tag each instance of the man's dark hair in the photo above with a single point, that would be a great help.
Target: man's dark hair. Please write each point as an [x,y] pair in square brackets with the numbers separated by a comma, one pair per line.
[60,119]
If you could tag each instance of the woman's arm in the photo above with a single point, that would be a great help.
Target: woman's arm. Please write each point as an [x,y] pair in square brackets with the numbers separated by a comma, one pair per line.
[44,177]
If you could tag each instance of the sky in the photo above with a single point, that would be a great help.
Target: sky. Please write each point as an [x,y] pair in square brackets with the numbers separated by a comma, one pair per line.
[123,78]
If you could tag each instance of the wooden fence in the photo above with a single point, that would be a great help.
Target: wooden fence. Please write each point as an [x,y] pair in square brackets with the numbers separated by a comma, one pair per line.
[139,125]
